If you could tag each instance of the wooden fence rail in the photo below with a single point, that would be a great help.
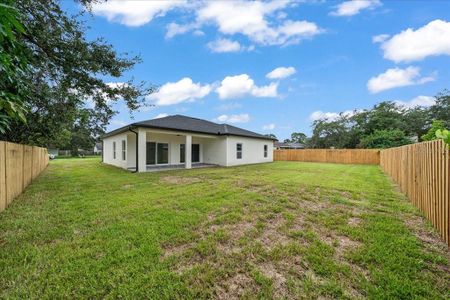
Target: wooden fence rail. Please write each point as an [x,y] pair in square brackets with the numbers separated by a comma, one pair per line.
[19,165]
[343,156]
[422,172]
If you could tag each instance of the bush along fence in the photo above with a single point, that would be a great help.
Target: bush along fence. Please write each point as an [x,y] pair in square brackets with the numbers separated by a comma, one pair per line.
[19,166]
[422,173]
[343,156]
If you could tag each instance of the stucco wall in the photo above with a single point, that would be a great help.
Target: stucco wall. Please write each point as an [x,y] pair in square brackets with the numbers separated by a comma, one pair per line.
[219,150]
[108,156]
[215,151]
[252,151]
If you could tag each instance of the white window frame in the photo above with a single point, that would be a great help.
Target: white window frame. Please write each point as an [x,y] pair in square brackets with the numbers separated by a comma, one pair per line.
[114,150]
[124,150]
[266,151]
[239,152]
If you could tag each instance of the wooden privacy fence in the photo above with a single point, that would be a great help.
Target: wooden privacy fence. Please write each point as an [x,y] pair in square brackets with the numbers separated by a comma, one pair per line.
[343,156]
[19,165]
[422,172]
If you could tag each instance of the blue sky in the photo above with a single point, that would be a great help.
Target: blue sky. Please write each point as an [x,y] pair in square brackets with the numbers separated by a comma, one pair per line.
[213,60]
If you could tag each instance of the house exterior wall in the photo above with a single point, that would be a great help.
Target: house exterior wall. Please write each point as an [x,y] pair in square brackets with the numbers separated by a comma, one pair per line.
[108,156]
[215,151]
[252,151]
[131,150]
[220,150]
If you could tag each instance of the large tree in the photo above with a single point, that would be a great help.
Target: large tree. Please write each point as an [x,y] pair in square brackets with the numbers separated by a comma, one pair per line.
[13,67]
[68,78]
[441,109]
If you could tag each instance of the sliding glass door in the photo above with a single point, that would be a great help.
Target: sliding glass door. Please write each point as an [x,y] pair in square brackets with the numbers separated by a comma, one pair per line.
[157,153]
[162,153]
[151,153]
[195,153]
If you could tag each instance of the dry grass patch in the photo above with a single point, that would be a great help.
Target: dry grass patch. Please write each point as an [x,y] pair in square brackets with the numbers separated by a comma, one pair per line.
[179,180]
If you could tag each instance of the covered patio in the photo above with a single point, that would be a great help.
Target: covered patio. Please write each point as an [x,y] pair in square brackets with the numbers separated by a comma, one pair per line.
[167,150]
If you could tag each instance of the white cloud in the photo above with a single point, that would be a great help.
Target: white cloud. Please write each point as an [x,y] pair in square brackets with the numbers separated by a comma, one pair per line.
[250,18]
[224,45]
[257,20]
[135,13]
[354,7]
[270,126]
[423,101]
[161,115]
[331,116]
[174,29]
[281,72]
[380,38]
[397,77]
[241,118]
[432,39]
[181,91]
[242,85]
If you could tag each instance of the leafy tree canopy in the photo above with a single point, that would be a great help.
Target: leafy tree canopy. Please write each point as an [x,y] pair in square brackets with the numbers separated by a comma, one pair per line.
[431,134]
[385,139]
[67,85]
[13,67]
[381,125]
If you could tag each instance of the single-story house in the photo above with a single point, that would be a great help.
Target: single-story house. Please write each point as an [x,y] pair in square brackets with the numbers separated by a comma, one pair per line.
[279,146]
[181,141]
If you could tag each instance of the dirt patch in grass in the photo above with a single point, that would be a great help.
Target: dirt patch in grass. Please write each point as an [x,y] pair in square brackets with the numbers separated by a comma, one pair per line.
[179,180]
[278,278]
[272,234]
[345,244]
[354,221]
[236,287]
[429,238]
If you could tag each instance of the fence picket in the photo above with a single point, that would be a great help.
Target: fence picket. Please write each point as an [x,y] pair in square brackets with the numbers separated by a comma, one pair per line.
[19,165]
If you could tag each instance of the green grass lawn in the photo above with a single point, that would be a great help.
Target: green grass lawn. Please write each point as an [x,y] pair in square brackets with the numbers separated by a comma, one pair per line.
[279,230]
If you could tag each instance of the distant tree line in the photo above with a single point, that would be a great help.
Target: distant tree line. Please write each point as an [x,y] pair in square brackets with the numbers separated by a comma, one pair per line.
[386,125]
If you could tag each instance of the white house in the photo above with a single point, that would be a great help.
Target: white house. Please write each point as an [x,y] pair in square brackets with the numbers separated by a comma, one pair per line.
[181,141]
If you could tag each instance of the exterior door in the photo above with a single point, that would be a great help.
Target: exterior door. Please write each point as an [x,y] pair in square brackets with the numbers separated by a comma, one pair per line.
[151,153]
[195,153]
[157,153]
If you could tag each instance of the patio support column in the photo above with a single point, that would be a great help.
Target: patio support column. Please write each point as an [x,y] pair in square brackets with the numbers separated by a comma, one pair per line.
[142,150]
[188,152]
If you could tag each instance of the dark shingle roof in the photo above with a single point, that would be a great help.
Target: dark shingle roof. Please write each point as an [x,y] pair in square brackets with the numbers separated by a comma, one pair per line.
[188,124]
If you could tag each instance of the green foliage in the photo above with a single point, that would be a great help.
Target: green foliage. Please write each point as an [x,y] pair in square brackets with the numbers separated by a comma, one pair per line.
[69,77]
[441,109]
[297,137]
[431,134]
[385,139]
[388,119]
[444,135]
[13,68]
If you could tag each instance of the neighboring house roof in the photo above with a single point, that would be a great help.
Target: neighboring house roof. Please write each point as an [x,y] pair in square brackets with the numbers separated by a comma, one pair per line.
[188,124]
[289,145]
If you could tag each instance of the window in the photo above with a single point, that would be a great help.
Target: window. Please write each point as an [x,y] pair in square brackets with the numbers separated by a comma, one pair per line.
[265,150]
[114,150]
[238,150]
[124,150]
